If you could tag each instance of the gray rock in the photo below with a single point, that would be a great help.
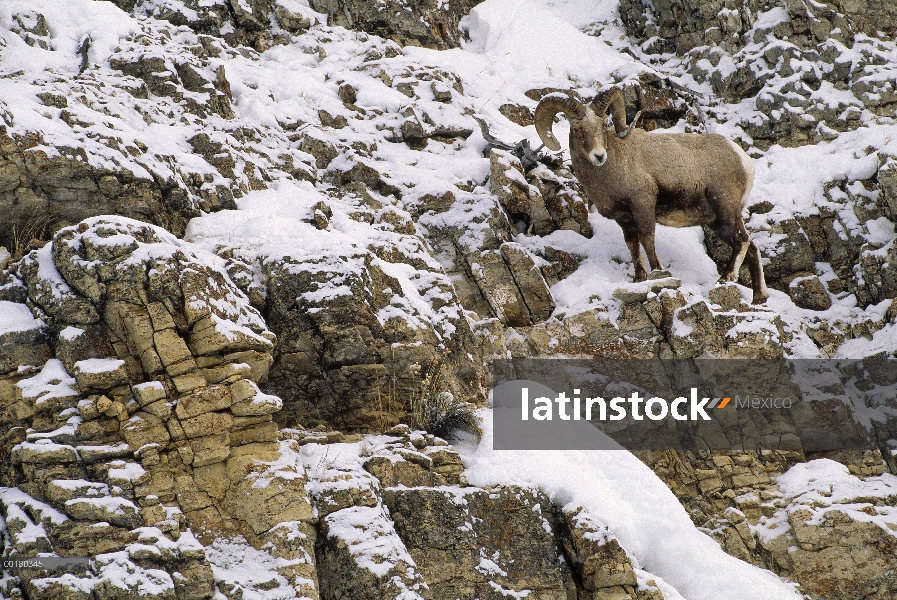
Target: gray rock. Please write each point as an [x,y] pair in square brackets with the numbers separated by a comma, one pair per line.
[639,291]
[447,538]
[529,281]
[726,296]
[808,292]
[417,23]
[497,285]
[596,554]
[23,342]
[876,276]
[345,545]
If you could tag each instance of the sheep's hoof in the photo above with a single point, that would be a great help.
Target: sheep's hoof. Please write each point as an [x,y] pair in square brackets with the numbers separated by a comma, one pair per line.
[760,299]
[659,274]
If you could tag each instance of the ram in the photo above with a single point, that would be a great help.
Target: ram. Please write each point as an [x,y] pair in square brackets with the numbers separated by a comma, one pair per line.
[639,179]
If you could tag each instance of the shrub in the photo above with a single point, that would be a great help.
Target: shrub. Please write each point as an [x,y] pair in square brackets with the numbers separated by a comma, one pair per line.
[437,411]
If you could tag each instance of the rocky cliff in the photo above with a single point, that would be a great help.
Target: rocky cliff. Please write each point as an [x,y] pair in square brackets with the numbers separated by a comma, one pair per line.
[248,240]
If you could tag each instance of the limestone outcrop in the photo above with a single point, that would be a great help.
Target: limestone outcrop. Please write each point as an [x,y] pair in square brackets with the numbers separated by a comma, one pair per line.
[825,535]
[148,433]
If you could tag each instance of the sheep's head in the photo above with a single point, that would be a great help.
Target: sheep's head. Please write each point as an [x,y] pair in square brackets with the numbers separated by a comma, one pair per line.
[588,134]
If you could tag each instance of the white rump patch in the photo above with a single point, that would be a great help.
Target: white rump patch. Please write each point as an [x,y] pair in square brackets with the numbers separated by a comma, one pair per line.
[748,165]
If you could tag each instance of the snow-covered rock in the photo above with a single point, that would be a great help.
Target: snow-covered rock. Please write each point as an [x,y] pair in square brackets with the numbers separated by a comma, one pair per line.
[228,217]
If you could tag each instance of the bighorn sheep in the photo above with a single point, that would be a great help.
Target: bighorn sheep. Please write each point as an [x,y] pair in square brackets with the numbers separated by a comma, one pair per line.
[638,179]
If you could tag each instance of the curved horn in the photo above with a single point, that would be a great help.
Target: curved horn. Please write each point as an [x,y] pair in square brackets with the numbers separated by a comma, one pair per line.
[548,107]
[613,99]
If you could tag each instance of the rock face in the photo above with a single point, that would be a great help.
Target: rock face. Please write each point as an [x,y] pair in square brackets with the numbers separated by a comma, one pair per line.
[540,201]
[395,521]
[750,34]
[448,554]
[82,168]
[825,541]
[39,194]
[720,22]
[359,324]
[158,439]
[147,444]
[827,251]
[426,23]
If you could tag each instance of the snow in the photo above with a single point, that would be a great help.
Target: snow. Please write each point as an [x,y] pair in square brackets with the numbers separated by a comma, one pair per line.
[117,571]
[71,333]
[227,309]
[792,179]
[90,488]
[126,470]
[26,530]
[650,524]
[52,382]
[770,18]
[826,481]
[371,538]
[821,486]
[881,231]
[68,429]
[333,468]
[109,504]
[502,32]
[15,318]
[69,22]
[41,446]
[272,224]
[44,512]
[268,400]
[509,593]
[255,573]
[98,365]
[48,274]
[154,385]
[286,467]
[83,585]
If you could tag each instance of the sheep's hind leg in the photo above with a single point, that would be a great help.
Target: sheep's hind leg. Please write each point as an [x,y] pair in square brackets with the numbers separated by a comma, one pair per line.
[739,241]
[758,281]
[630,235]
[739,251]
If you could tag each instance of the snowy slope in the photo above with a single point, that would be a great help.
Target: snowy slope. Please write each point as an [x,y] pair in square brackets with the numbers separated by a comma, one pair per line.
[617,489]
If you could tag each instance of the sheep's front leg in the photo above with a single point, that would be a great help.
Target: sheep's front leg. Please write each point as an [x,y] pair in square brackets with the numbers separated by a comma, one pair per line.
[630,234]
[644,221]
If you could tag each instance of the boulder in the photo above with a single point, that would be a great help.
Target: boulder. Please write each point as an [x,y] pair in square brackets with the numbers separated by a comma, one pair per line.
[808,292]
[447,531]
[23,339]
